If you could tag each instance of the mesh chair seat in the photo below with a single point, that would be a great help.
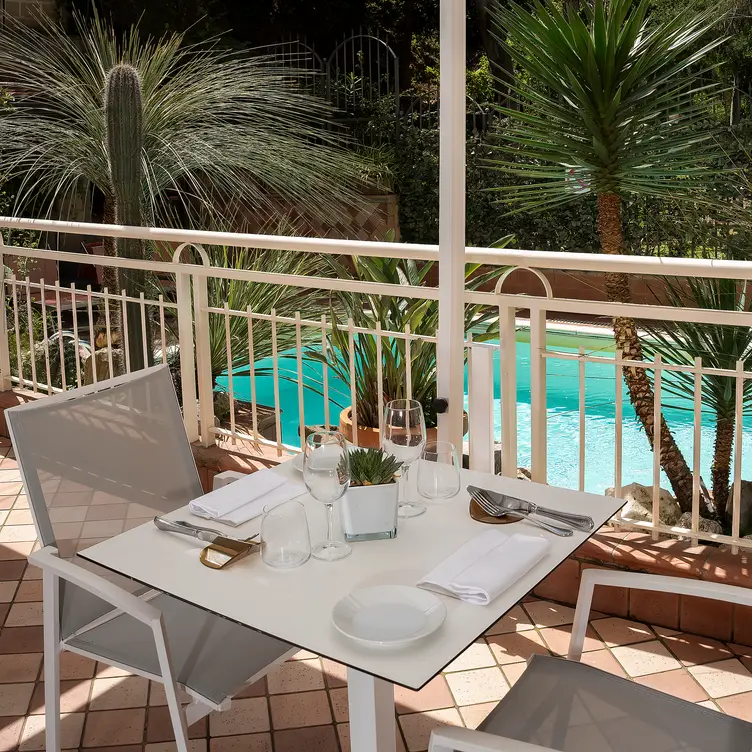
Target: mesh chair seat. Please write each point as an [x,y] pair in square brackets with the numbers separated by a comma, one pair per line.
[212,656]
[569,706]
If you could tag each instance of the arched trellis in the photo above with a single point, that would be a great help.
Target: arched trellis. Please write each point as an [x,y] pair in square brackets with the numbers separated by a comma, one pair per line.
[305,64]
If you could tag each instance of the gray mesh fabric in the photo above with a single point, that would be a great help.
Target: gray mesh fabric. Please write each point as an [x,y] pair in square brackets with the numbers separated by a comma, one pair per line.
[100,460]
[568,706]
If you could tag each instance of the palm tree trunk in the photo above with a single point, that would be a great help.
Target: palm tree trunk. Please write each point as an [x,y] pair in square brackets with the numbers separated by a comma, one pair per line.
[720,470]
[110,273]
[628,343]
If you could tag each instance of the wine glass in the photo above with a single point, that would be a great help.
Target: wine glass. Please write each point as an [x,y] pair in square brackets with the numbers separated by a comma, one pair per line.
[404,437]
[326,472]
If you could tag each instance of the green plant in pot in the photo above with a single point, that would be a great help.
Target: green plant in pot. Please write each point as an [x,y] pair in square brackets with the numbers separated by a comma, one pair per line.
[369,508]
[395,315]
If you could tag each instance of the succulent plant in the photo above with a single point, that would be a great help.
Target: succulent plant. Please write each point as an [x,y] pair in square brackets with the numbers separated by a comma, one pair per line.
[372,467]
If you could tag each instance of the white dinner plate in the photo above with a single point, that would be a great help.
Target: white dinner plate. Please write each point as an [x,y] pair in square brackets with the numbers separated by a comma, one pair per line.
[388,616]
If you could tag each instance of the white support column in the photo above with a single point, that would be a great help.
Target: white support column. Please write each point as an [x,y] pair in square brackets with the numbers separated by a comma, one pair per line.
[372,721]
[450,346]
[508,391]
[481,408]
[203,359]
[538,425]
[187,355]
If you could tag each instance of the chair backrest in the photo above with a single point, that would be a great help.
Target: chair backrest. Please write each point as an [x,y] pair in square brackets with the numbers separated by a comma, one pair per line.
[100,460]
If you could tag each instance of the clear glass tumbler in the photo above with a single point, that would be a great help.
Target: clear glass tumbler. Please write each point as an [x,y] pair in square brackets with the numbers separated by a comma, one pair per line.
[439,471]
[285,541]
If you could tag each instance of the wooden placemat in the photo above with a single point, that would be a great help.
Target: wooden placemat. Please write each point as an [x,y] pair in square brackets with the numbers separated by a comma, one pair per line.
[480,516]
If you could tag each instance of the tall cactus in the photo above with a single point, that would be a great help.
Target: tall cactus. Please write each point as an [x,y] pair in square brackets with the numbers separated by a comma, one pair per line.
[125,138]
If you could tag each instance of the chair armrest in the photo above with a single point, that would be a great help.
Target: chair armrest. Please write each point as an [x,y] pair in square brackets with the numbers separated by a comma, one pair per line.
[453,739]
[225,477]
[639,581]
[47,559]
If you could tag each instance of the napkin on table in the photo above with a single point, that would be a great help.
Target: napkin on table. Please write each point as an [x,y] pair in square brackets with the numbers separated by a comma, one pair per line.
[486,565]
[245,498]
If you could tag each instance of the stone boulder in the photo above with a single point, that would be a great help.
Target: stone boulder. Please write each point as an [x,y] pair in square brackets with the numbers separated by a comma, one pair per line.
[704,526]
[745,509]
[102,359]
[639,506]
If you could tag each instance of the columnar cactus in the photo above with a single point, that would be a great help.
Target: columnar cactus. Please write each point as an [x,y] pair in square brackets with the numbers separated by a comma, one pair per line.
[125,137]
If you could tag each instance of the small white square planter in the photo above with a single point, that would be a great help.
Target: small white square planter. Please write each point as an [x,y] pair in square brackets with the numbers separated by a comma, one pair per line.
[370,512]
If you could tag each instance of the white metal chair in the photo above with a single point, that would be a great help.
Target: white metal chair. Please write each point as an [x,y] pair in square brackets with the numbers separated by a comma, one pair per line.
[562,704]
[97,461]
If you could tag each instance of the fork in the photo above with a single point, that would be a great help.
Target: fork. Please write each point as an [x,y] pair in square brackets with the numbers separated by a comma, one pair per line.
[491,509]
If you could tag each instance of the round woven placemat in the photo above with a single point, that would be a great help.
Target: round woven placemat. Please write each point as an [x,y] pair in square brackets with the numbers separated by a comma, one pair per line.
[480,516]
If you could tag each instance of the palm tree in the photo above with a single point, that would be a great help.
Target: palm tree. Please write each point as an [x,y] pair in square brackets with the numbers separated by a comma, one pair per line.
[608,104]
[720,347]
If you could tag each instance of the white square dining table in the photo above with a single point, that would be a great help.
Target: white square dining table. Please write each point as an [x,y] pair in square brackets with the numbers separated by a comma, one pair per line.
[296,605]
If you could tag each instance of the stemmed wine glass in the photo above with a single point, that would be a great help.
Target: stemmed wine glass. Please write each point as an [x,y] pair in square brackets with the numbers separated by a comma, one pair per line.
[404,437]
[326,472]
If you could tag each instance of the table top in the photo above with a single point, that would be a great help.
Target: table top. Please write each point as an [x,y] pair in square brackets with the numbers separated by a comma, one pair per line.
[296,605]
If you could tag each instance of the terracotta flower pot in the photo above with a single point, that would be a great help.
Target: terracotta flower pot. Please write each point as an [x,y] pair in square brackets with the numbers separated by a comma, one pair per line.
[370,438]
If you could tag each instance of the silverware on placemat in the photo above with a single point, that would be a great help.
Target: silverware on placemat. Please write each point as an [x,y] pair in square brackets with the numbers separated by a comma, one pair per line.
[479,497]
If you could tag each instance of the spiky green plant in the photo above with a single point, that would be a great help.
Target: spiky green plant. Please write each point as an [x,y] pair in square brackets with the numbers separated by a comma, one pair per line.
[125,140]
[611,102]
[221,129]
[372,467]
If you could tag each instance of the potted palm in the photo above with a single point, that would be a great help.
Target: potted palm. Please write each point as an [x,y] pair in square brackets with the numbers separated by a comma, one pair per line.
[393,314]
[369,508]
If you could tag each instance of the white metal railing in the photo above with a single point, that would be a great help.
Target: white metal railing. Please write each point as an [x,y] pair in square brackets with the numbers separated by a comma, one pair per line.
[182,323]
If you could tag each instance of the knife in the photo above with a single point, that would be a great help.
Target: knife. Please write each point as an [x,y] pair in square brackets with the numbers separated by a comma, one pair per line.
[206,534]
[502,501]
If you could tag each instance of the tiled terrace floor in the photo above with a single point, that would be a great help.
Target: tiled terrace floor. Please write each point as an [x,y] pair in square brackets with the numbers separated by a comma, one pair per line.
[302,706]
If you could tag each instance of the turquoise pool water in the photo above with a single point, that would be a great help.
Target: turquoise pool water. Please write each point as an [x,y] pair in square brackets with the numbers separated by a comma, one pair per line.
[562,409]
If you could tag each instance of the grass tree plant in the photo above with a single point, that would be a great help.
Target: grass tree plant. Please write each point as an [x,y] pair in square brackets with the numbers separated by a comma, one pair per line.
[610,102]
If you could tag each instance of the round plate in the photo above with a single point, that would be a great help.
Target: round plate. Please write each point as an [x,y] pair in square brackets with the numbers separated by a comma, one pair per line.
[388,616]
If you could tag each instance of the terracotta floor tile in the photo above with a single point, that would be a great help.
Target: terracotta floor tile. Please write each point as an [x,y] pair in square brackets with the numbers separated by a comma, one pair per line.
[615,631]
[21,640]
[481,685]
[744,650]
[723,678]
[33,736]
[433,696]
[159,726]
[11,570]
[29,591]
[343,730]
[245,743]
[110,727]
[74,666]
[10,732]
[6,502]
[340,706]
[303,655]
[247,716]
[478,655]
[24,615]
[558,638]
[194,745]
[740,706]
[304,709]
[19,517]
[32,573]
[692,650]
[679,683]
[709,704]
[18,533]
[19,667]
[604,660]
[334,673]
[157,695]
[8,590]
[14,551]
[74,697]
[15,698]
[296,676]
[515,647]
[257,689]
[549,614]
[515,620]
[664,631]
[120,692]
[645,658]
[111,672]
[320,739]
[513,671]
[417,727]
[474,715]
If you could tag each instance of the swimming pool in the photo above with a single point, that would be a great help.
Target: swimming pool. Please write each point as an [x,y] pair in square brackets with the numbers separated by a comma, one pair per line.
[562,413]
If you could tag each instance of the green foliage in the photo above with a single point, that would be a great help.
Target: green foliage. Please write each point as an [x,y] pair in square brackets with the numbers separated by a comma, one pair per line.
[372,467]
[480,82]
[609,104]
[394,315]
[221,130]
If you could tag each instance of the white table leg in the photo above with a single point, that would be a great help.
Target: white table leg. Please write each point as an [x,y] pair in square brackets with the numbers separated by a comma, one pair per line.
[371,702]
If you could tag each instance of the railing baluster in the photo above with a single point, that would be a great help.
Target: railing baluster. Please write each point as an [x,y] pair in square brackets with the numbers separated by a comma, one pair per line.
[108,330]
[162,330]
[61,343]
[252,374]
[144,342]
[618,425]
[657,415]
[538,415]
[299,363]
[581,413]
[325,370]
[32,348]
[45,335]
[380,376]
[76,341]
[124,329]
[230,385]
[275,372]
[508,368]
[92,336]
[408,364]
[17,329]
[353,390]
[697,446]
[738,436]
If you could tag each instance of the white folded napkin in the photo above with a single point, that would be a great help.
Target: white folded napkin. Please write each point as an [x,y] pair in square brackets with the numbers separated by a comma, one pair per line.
[485,566]
[245,499]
